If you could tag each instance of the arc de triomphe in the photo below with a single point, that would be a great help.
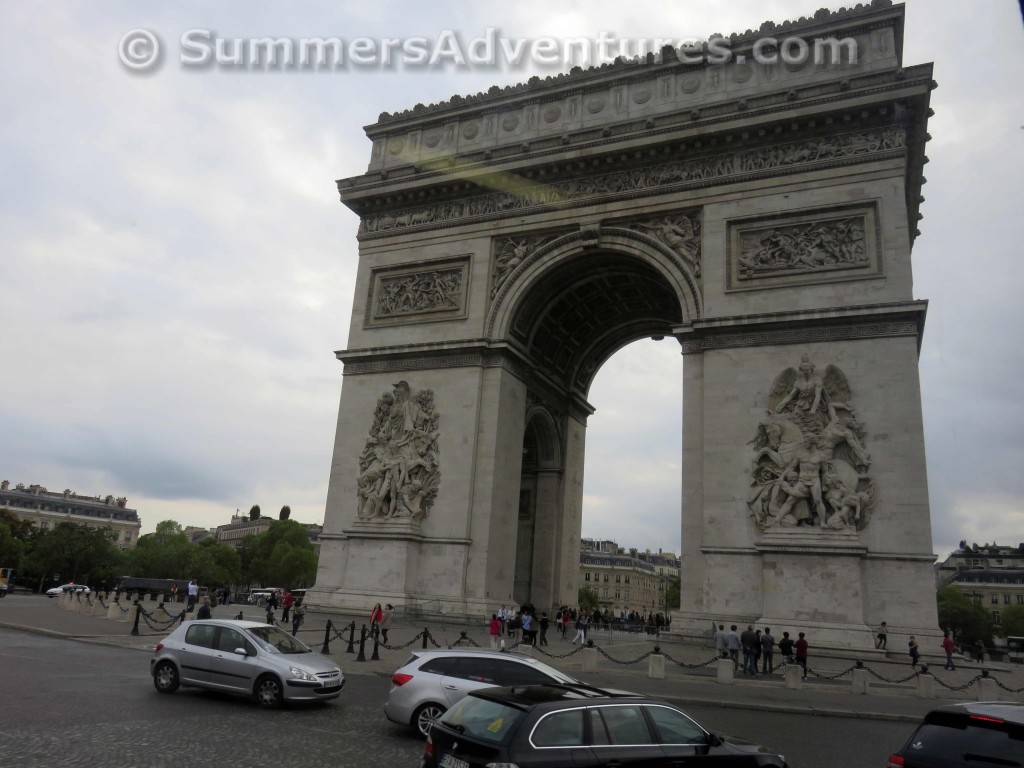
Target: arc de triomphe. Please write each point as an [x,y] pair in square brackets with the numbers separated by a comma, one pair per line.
[760,212]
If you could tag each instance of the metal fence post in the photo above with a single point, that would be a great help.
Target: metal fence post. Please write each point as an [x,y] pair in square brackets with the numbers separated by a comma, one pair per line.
[138,615]
[426,634]
[351,638]
[375,656]
[362,644]
[327,638]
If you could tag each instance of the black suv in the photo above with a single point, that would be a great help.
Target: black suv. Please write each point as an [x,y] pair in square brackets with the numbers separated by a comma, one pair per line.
[977,733]
[559,725]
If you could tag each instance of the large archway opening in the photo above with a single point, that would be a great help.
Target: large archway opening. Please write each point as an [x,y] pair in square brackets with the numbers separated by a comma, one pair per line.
[573,319]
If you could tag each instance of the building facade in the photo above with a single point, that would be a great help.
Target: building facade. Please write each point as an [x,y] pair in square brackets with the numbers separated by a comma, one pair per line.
[622,580]
[45,510]
[990,575]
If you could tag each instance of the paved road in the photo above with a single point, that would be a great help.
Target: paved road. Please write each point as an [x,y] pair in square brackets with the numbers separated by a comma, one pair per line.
[85,704]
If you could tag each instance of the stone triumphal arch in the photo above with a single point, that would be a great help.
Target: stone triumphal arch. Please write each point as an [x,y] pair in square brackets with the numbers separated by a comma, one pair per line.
[762,213]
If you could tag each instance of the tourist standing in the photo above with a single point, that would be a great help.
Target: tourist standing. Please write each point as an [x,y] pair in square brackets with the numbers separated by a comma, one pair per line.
[733,644]
[193,595]
[527,624]
[543,623]
[721,642]
[286,604]
[204,610]
[375,616]
[495,630]
[801,646]
[749,642]
[298,616]
[915,652]
[786,648]
[767,651]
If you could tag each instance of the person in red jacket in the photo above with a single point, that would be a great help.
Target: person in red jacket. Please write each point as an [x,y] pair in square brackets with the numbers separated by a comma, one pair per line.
[288,602]
[948,646]
[801,652]
[375,616]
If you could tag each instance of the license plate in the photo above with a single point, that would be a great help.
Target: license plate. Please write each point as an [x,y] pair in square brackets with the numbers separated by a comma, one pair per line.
[450,761]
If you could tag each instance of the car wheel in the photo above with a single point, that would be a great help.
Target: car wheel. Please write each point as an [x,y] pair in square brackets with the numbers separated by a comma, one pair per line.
[165,677]
[269,692]
[425,716]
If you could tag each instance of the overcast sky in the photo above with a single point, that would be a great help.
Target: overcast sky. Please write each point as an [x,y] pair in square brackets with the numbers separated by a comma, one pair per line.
[176,270]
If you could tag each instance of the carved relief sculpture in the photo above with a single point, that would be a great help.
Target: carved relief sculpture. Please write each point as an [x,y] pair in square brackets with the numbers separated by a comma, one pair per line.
[810,465]
[510,253]
[679,233]
[417,292]
[399,474]
[808,246]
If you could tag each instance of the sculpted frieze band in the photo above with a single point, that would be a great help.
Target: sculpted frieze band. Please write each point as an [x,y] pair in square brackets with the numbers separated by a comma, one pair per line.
[638,180]
[810,467]
[399,472]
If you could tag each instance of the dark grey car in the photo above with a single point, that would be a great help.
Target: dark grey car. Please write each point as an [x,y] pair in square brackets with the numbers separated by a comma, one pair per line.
[247,658]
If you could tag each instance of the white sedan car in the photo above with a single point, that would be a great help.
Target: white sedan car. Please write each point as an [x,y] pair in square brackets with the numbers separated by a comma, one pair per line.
[54,591]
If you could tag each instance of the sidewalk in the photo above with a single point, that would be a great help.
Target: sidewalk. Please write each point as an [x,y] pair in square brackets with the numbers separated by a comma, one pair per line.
[685,685]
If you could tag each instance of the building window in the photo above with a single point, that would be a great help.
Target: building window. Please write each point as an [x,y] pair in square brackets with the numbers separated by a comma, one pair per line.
[127,535]
[995,616]
[605,592]
[606,578]
[618,578]
[1006,599]
[586,577]
[627,578]
[1020,599]
[618,594]
[627,595]
[995,599]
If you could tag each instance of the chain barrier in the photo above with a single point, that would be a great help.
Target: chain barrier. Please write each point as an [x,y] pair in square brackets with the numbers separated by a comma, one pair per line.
[160,627]
[102,603]
[404,645]
[573,652]
[963,687]
[707,663]
[1005,688]
[911,676]
[604,653]
[430,637]
[837,676]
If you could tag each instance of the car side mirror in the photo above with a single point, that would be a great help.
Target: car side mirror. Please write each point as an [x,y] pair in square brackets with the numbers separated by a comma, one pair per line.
[241,652]
[714,740]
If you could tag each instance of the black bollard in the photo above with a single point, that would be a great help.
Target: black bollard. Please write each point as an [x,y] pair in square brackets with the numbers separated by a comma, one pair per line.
[375,656]
[138,615]
[327,638]
[362,644]
[351,638]
[426,635]
[181,617]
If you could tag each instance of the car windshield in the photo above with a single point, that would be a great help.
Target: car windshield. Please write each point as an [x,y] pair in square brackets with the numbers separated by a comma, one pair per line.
[482,719]
[276,640]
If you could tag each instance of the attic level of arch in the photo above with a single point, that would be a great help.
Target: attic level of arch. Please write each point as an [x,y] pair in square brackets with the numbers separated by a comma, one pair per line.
[896,97]
[479,194]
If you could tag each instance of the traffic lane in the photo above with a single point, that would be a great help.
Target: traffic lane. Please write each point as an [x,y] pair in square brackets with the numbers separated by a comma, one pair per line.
[80,704]
[808,740]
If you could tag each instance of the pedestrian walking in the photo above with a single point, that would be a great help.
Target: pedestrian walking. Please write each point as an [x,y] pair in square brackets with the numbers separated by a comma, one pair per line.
[385,622]
[193,595]
[915,653]
[375,615]
[581,629]
[801,645]
[527,624]
[204,610]
[881,636]
[298,616]
[286,605]
[948,646]
[543,623]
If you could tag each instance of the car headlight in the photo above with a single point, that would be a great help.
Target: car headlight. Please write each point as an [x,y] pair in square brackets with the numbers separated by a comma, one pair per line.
[301,674]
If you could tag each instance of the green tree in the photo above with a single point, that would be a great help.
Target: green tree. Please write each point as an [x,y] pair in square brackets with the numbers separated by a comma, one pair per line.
[164,554]
[587,599]
[672,594]
[15,536]
[283,556]
[216,564]
[958,613]
[286,512]
[254,512]
[1012,621]
[73,552]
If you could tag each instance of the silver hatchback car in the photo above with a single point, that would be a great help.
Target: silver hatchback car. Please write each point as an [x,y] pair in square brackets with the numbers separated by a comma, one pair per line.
[431,681]
[247,658]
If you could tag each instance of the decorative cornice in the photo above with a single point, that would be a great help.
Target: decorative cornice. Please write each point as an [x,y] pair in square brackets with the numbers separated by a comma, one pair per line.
[668,57]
